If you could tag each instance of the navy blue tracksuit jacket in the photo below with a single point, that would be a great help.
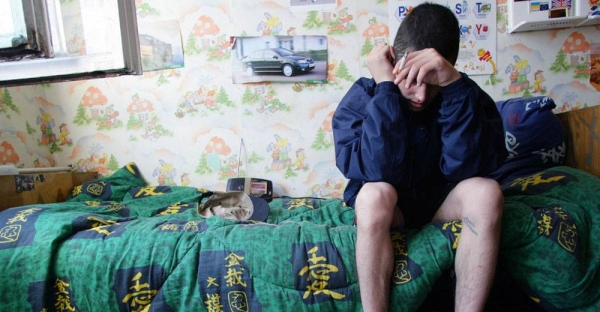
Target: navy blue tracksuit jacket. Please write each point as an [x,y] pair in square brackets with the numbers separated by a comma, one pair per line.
[458,136]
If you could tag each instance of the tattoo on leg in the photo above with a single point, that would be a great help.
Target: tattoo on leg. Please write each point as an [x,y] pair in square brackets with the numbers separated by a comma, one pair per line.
[470,225]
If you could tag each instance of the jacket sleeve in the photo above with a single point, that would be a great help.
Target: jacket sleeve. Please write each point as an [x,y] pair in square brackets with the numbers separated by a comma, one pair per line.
[472,132]
[370,133]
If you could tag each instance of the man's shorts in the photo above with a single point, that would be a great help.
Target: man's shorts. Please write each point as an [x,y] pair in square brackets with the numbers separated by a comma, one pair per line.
[419,209]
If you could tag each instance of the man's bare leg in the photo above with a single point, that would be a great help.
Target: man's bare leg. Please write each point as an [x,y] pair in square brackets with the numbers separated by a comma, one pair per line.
[478,202]
[375,211]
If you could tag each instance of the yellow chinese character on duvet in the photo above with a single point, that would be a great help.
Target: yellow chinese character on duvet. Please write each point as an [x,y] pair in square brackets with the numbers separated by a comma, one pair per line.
[22,215]
[148,191]
[213,303]
[63,300]
[234,277]
[234,260]
[318,273]
[299,202]
[535,179]
[140,298]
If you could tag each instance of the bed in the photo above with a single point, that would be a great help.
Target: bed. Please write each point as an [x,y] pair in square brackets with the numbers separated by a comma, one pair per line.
[119,244]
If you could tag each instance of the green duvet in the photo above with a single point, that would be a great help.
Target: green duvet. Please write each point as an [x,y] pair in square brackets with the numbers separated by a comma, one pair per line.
[120,245]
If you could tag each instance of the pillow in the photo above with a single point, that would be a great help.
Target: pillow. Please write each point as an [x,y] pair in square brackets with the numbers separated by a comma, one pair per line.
[534,137]
[110,188]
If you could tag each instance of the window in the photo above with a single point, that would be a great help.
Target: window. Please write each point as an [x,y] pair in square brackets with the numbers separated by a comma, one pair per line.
[12,23]
[44,41]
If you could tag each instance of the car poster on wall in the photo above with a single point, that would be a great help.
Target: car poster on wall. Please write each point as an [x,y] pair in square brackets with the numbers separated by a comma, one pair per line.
[160,45]
[477,26]
[279,59]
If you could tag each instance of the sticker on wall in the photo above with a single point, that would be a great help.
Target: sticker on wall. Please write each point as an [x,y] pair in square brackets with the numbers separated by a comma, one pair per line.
[160,45]
[477,26]
[279,59]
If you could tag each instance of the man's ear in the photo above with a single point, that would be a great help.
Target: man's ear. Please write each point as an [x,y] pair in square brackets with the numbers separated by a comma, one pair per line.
[393,54]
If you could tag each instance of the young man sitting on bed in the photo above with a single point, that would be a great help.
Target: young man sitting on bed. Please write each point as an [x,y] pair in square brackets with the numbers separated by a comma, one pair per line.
[415,142]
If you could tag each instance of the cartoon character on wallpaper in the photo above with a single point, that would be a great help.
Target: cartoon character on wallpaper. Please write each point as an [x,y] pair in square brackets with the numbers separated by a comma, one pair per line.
[538,79]
[165,174]
[271,26]
[331,68]
[337,23]
[63,138]
[97,161]
[341,24]
[280,150]
[518,75]
[46,124]
[109,120]
[231,166]
[185,179]
[204,99]
[220,51]
[95,155]
[299,163]
[8,154]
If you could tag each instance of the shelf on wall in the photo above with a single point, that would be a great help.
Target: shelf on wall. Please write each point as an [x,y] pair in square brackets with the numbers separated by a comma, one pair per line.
[590,21]
[526,16]
[561,22]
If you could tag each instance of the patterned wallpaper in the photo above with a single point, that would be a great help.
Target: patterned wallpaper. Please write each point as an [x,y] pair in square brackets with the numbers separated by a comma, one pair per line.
[193,126]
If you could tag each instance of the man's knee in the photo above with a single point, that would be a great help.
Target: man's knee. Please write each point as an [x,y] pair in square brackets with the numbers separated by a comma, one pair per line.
[381,193]
[482,195]
[375,203]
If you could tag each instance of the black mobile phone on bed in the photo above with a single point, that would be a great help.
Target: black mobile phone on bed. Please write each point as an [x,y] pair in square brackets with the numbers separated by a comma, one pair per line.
[252,186]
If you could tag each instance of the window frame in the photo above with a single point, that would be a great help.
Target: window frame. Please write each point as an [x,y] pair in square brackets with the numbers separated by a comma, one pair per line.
[41,62]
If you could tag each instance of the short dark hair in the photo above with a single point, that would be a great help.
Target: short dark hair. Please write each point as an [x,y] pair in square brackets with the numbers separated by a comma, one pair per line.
[429,25]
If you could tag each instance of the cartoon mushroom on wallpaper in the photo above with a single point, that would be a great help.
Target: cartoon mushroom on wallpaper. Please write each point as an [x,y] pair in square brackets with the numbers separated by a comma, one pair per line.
[93,107]
[139,110]
[205,26]
[8,154]
[94,100]
[377,31]
[576,47]
[214,150]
